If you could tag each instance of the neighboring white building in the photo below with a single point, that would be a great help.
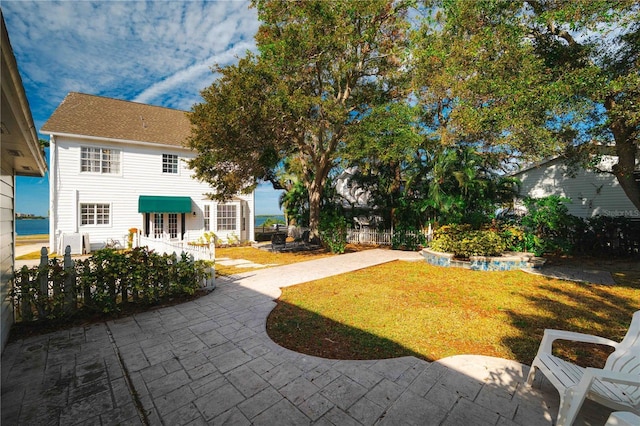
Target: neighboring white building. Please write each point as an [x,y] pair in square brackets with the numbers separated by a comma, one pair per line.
[591,193]
[117,165]
[352,194]
[22,155]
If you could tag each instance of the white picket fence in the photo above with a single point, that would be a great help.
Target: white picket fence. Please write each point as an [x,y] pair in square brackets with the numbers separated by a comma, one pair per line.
[371,236]
[168,246]
[365,236]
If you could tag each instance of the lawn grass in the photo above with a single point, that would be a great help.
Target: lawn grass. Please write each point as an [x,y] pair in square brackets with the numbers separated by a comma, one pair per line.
[22,240]
[432,312]
[29,256]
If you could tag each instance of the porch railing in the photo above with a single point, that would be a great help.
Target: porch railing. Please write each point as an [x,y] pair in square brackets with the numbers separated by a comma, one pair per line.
[199,252]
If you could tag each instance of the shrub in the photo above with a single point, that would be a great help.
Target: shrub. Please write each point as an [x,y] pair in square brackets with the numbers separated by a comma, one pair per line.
[549,225]
[514,237]
[206,239]
[482,243]
[333,232]
[447,238]
[464,242]
[105,282]
[233,239]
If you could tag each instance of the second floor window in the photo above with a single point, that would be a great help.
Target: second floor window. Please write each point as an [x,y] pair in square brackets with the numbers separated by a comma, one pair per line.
[169,163]
[99,160]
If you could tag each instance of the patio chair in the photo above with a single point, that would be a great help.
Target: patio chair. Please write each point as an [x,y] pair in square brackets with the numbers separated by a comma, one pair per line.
[616,386]
[278,240]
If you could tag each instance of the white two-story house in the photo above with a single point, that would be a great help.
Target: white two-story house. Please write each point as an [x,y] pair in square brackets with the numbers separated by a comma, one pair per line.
[117,165]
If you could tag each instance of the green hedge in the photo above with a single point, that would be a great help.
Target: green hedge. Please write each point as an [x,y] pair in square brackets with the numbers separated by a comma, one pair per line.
[105,282]
[464,242]
[547,228]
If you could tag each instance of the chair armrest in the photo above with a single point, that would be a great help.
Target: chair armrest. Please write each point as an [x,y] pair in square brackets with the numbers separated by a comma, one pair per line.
[623,378]
[551,335]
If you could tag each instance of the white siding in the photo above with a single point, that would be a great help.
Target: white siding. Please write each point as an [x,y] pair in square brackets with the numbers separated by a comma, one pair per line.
[591,193]
[7,250]
[140,174]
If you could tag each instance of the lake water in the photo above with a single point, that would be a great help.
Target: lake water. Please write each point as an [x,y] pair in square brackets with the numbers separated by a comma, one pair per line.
[32,226]
[263,218]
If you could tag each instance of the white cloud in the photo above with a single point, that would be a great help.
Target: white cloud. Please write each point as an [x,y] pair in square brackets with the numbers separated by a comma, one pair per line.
[158,52]
[191,74]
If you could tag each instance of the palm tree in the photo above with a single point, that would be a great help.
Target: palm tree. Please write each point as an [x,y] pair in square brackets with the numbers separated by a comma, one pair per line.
[464,189]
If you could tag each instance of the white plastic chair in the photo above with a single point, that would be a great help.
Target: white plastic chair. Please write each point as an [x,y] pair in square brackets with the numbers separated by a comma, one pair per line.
[617,385]
[622,418]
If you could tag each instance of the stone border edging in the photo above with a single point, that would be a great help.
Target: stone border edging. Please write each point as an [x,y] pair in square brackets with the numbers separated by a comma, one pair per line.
[508,262]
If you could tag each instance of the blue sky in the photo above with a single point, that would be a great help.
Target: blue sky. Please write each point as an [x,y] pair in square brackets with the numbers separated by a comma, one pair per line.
[155,52]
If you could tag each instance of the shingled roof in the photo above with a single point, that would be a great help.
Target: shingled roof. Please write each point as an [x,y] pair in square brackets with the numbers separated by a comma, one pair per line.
[96,116]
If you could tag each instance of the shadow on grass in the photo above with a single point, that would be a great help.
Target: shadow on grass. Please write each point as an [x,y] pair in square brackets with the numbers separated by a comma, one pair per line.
[309,333]
[590,310]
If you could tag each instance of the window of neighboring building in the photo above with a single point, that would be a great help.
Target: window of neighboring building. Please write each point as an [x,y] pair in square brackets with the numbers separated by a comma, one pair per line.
[99,160]
[95,214]
[158,225]
[227,217]
[173,225]
[207,216]
[169,163]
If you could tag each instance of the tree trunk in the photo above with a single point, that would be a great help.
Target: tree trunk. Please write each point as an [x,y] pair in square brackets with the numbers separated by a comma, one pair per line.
[627,152]
[394,190]
[315,196]
[624,170]
[321,162]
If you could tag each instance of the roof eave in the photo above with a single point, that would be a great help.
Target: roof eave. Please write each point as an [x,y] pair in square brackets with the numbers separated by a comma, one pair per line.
[112,140]
[29,134]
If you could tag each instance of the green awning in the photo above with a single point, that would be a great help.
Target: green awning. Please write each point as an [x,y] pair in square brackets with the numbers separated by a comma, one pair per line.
[163,204]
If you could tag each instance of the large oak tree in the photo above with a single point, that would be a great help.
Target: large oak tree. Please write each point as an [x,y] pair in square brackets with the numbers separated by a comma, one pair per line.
[534,78]
[321,68]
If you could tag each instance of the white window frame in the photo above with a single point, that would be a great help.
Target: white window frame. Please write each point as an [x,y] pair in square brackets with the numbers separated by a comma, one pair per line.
[172,225]
[170,164]
[158,225]
[95,214]
[100,160]
[222,218]
[207,217]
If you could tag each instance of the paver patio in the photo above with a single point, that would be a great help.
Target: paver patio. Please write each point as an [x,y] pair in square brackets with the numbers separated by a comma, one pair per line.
[210,361]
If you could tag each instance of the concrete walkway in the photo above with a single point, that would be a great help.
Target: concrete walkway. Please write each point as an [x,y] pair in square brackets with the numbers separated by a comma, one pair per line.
[210,361]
